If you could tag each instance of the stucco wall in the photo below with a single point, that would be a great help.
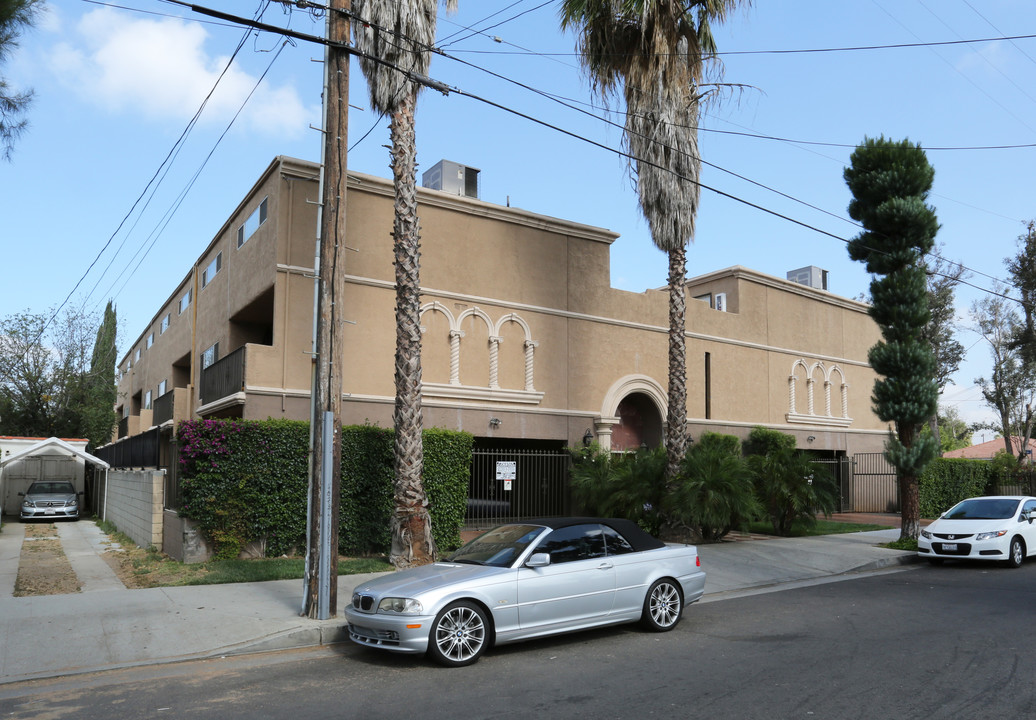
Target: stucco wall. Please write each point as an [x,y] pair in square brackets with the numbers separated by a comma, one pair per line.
[133,503]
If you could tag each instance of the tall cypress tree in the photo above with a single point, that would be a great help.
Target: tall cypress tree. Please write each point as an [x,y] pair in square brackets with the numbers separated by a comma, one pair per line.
[890,182]
[99,417]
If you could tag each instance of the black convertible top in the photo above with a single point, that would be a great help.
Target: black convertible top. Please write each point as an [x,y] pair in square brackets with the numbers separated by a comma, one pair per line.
[639,539]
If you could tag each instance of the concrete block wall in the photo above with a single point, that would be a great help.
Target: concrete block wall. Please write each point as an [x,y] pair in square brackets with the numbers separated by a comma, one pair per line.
[134,502]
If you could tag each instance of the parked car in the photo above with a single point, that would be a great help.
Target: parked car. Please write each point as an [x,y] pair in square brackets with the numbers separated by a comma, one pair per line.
[983,528]
[525,580]
[50,499]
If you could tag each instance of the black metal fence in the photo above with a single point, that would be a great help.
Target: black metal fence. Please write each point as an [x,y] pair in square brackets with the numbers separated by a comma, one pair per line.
[132,452]
[508,485]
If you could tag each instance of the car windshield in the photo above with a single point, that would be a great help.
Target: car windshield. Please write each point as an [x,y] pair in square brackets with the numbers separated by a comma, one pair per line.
[51,488]
[499,547]
[983,509]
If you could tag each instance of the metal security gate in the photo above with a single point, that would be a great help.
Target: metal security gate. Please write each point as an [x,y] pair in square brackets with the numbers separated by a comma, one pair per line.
[873,485]
[508,485]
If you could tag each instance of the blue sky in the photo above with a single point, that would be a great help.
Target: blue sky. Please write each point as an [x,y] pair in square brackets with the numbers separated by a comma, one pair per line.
[117,86]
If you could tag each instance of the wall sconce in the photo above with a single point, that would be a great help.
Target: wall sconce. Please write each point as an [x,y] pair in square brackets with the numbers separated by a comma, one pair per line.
[588,437]
[494,422]
[811,438]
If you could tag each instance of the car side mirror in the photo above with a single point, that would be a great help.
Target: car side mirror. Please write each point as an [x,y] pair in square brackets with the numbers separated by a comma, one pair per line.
[538,560]
[21,494]
[1032,515]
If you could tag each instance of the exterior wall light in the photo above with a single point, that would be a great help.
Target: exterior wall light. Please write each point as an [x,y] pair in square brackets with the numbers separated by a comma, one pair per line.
[811,438]
[494,422]
[588,437]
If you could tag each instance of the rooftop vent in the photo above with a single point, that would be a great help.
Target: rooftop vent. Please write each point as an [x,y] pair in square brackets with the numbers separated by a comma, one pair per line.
[811,275]
[453,178]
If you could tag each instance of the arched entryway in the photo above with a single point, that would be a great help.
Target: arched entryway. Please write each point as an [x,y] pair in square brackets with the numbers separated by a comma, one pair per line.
[632,414]
[639,426]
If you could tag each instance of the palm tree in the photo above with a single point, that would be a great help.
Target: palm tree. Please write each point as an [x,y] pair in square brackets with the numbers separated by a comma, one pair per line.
[655,53]
[399,33]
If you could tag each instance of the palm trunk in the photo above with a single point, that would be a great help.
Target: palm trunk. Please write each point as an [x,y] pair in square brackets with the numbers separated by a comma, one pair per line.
[676,422]
[412,542]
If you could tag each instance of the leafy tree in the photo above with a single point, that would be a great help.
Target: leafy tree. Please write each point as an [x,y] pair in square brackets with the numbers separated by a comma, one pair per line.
[943,277]
[15,15]
[954,433]
[890,182]
[1010,389]
[45,375]
[657,51]
[399,34]
[1022,268]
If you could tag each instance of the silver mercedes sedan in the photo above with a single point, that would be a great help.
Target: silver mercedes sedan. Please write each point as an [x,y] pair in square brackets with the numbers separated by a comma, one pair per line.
[526,580]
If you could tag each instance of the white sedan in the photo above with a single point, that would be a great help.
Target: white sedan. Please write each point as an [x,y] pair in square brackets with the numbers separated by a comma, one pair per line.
[527,580]
[983,528]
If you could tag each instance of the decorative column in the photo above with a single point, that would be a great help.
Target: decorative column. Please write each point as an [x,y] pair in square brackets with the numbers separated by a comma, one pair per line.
[494,360]
[791,394]
[809,395]
[530,348]
[827,397]
[455,336]
[845,400]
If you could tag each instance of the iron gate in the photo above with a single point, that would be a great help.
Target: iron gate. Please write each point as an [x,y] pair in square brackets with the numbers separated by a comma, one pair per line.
[509,485]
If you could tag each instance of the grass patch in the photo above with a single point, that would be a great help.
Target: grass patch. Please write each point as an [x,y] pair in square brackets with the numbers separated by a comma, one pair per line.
[903,544]
[148,567]
[821,527]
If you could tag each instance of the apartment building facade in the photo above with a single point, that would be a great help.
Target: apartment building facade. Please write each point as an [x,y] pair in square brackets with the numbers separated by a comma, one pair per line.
[525,342]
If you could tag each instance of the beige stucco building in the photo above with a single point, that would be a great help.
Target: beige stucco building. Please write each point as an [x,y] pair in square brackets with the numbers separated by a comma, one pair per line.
[525,341]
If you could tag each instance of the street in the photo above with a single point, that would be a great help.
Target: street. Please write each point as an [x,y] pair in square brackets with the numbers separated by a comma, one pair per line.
[947,642]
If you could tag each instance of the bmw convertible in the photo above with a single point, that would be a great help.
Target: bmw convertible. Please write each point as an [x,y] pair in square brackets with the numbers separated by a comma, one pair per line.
[526,580]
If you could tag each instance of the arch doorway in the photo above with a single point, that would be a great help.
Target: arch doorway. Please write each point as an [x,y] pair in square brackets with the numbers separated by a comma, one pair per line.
[640,424]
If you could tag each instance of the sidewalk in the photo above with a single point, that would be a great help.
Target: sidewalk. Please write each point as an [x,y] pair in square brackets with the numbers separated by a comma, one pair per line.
[107,626]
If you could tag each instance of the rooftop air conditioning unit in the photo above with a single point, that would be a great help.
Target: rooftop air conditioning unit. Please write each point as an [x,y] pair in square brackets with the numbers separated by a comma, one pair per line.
[453,178]
[811,276]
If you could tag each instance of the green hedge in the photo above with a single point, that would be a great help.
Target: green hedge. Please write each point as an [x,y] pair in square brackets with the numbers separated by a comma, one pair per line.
[946,481]
[247,480]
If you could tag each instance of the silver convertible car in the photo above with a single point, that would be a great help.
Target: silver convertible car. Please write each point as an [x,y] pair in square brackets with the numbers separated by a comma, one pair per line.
[527,580]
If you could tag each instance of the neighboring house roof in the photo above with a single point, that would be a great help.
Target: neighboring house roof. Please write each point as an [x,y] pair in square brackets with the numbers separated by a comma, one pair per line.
[56,443]
[986,450]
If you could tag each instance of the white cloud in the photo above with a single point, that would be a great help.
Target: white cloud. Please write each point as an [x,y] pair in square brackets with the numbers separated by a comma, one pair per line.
[163,69]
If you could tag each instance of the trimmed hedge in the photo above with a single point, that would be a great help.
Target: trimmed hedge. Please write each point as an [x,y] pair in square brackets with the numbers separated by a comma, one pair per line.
[248,480]
[946,481]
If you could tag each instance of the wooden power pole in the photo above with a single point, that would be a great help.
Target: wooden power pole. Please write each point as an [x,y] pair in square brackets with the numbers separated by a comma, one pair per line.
[321,591]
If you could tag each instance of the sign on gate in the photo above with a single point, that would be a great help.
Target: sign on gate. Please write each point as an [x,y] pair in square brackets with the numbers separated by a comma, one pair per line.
[506,470]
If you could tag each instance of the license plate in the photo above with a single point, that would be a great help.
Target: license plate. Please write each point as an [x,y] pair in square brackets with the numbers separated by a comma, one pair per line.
[949,547]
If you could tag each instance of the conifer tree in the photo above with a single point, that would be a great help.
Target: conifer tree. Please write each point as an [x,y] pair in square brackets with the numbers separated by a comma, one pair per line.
[890,182]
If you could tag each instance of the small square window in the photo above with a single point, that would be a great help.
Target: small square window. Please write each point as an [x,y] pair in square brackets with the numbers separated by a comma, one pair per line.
[254,221]
[147,400]
[210,355]
[150,339]
[185,301]
[136,356]
[212,269]
[162,388]
[165,323]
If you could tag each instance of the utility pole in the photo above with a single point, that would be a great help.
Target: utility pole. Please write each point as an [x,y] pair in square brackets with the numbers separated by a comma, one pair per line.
[321,590]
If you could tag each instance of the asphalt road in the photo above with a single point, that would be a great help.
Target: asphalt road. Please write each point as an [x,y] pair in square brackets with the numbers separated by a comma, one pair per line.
[948,642]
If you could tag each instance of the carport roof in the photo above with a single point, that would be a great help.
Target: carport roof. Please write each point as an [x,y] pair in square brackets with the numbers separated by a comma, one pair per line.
[57,443]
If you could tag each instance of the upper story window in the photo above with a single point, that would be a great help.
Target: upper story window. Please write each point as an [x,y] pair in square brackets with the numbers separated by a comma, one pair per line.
[150,339]
[212,269]
[257,218]
[165,323]
[136,356]
[185,301]
[162,387]
[147,400]
[210,355]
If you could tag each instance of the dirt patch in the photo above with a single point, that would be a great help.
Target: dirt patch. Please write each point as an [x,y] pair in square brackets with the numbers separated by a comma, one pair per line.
[140,568]
[43,568]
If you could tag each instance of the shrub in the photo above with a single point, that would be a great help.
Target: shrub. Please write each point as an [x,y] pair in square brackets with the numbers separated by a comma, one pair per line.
[764,441]
[713,493]
[791,488]
[628,485]
[947,481]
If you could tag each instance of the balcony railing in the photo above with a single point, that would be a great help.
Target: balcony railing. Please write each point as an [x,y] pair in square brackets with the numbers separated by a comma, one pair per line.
[224,377]
[124,427]
[163,408]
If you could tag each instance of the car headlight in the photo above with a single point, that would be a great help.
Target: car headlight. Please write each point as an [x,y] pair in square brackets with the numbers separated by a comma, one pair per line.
[990,535]
[27,504]
[73,503]
[402,606]
[926,535]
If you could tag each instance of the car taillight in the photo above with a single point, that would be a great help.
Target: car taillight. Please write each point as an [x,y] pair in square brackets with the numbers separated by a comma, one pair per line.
[697,560]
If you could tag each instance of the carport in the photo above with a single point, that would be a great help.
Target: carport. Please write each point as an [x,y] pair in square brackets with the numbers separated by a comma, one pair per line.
[47,459]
